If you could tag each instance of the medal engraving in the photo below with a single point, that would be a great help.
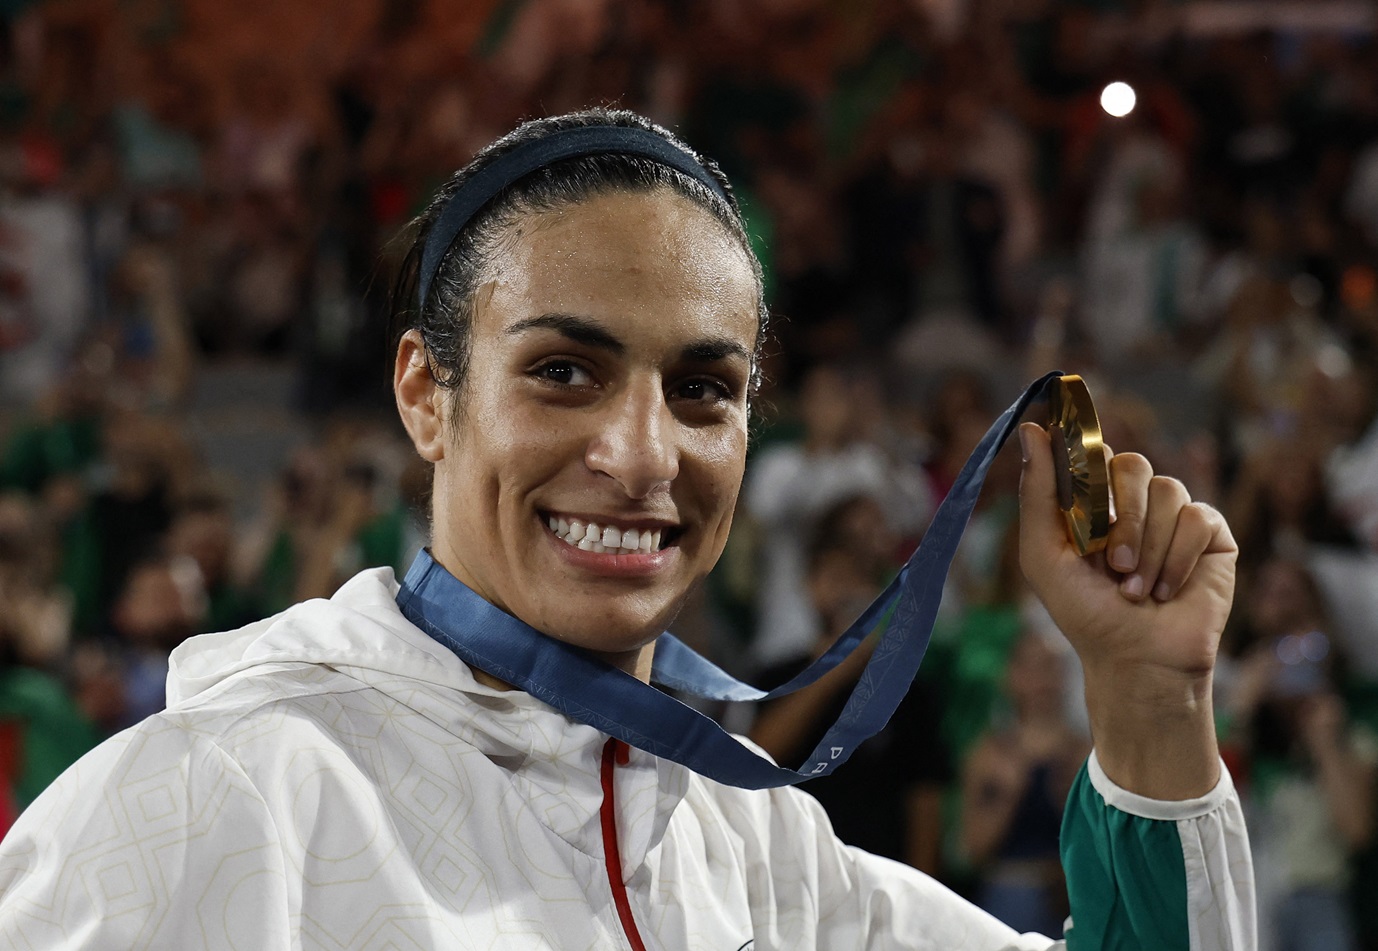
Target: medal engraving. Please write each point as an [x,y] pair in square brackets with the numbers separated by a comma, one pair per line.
[1083,477]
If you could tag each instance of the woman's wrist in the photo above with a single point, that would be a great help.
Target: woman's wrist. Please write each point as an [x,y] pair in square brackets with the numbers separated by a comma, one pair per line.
[1154,731]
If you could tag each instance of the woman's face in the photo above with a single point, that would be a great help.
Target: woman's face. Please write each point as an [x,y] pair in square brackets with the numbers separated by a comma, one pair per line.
[607,384]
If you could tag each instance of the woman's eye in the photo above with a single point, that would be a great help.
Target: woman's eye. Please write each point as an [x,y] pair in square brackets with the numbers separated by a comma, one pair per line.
[701,390]
[564,373]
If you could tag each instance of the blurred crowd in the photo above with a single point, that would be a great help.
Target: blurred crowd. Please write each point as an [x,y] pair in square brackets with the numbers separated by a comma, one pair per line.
[944,210]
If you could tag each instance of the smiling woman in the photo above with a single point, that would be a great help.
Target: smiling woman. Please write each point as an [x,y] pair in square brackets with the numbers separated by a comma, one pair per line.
[609,362]
[584,352]
[473,758]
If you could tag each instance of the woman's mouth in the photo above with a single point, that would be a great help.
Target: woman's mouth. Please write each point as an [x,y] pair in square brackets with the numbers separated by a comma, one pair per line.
[609,538]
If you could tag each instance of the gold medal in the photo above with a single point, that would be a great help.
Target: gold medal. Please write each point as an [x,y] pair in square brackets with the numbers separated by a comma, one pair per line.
[1083,477]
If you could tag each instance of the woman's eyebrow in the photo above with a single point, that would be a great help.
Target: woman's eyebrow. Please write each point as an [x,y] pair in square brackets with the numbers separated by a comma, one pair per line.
[587,331]
[583,330]
[714,349]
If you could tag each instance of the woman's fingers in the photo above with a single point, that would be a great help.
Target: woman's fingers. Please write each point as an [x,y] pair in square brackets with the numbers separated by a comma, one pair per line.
[1159,533]
[1199,527]
[1129,478]
[1165,499]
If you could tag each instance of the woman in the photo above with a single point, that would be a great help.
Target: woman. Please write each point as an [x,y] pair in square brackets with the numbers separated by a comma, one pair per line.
[579,351]
[1014,790]
[1311,768]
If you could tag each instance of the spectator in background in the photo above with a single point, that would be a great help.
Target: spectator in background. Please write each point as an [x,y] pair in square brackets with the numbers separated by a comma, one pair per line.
[264,142]
[1143,257]
[160,604]
[1261,362]
[326,517]
[889,798]
[1311,792]
[45,306]
[147,333]
[202,534]
[1352,465]
[1279,504]
[1014,787]
[789,488]
[973,641]
[926,231]
[960,412]
[998,150]
[1361,197]
[285,536]
[155,123]
[37,615]
[146,461]
[42,731]
[261,272]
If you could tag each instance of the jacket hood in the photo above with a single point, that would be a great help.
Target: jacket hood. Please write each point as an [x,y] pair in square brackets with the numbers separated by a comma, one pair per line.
[359,630]
[362,634]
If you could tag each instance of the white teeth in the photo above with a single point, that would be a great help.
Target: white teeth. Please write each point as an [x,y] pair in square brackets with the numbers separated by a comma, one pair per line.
[590,536]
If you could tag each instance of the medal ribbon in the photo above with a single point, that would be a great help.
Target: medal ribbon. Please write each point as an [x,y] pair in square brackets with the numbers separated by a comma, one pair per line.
[595,693]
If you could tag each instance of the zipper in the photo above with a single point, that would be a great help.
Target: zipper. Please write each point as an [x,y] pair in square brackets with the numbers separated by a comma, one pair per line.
[616,753]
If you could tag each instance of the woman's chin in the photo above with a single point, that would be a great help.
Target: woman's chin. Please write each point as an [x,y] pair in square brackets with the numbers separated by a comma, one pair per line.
[617,638]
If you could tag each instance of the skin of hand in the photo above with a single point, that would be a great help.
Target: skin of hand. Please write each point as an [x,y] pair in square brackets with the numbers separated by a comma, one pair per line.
[1007,775]
[1322,723]
[1345,779]
[1145,617]
[993,782]
[1256,674]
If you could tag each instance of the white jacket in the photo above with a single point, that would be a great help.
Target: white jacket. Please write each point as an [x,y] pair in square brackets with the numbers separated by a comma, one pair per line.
[333,778]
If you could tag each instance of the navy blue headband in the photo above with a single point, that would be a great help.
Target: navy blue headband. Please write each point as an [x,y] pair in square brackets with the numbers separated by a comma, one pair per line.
[527,158]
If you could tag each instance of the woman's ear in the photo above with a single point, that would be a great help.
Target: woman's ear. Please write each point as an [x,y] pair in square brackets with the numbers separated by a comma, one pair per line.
[420,401]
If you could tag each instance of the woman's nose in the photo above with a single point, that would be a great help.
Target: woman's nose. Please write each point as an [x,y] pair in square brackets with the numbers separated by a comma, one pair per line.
[636,443]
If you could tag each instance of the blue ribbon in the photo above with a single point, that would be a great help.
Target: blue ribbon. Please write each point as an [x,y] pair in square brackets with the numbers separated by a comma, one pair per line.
[596,693]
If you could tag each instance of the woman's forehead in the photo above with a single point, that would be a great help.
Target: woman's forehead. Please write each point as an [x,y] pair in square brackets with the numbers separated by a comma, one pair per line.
[623,256]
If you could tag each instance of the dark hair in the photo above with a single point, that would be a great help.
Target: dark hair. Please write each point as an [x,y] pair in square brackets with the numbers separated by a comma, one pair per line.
[447,315]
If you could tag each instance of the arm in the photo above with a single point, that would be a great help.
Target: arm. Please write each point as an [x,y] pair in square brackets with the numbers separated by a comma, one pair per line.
[809,891]
[992,784]
[924,828]
[774,489]
[175,358]
[154,839]
[789,722]
[1145,873]
[1146,619]
[1345,778]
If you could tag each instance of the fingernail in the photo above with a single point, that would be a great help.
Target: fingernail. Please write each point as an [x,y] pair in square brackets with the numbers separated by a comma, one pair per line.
[1024,444]
[1133,587]
[1122,559]
[1162,592]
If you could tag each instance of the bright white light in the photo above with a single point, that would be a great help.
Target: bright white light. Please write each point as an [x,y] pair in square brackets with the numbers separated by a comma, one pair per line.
[1118,99]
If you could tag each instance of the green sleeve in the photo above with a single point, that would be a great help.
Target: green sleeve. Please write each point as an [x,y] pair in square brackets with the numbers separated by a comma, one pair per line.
[1126,877]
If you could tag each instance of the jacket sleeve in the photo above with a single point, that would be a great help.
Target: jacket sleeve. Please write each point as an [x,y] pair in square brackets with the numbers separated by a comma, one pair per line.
[1171,876]
[155,839]
[1148,874]
[823,894]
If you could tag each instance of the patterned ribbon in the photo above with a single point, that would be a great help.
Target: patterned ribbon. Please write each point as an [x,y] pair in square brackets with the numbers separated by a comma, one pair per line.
[596,693]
